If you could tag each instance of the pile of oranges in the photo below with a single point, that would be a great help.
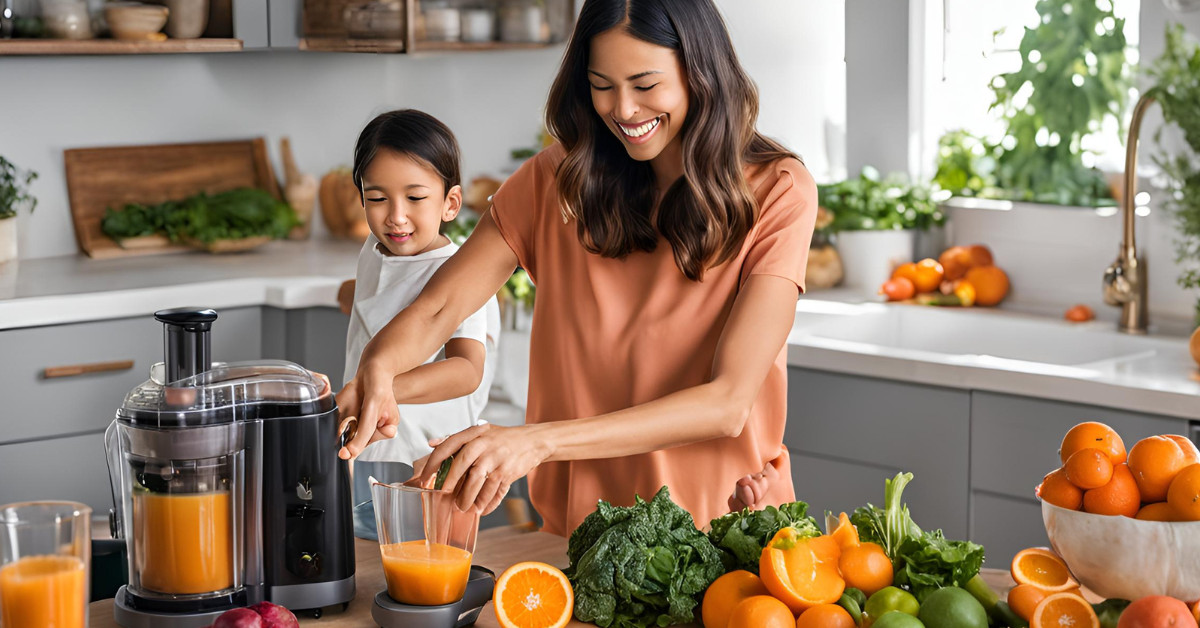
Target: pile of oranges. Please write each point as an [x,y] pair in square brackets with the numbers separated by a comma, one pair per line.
[964,275]
[800,582]
[1158,480]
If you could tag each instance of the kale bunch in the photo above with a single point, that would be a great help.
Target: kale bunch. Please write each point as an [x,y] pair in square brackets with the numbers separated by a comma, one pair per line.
[641,565]
[741,536]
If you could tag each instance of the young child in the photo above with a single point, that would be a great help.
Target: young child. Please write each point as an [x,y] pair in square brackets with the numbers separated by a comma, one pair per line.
[406,166]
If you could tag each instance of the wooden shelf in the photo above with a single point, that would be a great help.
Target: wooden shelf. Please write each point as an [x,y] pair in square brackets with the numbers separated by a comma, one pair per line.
[446,46]
[342,44]
[12,47]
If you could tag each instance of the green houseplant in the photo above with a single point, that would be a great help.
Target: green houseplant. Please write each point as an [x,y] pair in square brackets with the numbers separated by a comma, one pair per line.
[875,223]
[1073,75]
[14,196]
[1176,76]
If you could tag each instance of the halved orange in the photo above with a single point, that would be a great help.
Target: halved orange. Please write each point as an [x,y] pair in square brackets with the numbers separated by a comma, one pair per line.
[846,534]
[802,572]
[1064,609]
[533,595]
[1043,569]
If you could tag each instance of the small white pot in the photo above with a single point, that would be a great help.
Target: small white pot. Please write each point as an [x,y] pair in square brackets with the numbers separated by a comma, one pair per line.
[8,239]
[870,256]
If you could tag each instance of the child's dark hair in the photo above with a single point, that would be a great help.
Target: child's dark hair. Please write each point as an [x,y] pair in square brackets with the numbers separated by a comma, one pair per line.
[413,133]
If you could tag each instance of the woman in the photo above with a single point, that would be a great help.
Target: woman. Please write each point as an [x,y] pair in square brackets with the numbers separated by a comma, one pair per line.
[668,241]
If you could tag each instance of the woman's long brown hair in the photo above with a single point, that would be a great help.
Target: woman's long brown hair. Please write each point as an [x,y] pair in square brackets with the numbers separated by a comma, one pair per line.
[707,213]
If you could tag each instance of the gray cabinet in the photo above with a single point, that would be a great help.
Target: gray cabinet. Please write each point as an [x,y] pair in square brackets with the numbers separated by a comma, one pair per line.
[847,434]
[1014,443]
[313,337]
[71,468]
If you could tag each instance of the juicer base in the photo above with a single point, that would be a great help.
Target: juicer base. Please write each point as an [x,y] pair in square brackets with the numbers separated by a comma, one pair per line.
[389,613]
[128,617]
[313,595]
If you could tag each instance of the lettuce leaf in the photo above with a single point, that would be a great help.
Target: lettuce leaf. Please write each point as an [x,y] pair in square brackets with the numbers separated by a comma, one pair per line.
[931,561]
[741,536]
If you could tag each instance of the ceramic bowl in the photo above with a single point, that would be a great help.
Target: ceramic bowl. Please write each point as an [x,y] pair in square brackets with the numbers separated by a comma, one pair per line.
[134,20]
[1119,557]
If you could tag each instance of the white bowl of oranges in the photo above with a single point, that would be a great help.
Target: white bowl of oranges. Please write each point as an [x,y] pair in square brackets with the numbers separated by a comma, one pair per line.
[1128,526]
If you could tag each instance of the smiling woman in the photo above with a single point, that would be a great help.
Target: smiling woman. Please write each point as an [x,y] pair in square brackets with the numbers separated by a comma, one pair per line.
[657,349]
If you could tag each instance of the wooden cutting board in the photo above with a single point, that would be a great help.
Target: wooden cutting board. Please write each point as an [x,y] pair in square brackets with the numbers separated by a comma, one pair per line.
[99,178]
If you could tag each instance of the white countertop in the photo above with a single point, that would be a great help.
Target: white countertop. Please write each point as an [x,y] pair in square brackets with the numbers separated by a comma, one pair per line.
[1151,375]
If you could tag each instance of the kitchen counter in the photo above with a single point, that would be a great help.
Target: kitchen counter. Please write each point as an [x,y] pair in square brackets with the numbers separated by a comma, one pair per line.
[1158,378]
[497,549]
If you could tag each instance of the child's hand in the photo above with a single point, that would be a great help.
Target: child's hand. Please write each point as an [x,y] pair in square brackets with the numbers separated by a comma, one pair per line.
[370,399]
[345,296]
[749,491]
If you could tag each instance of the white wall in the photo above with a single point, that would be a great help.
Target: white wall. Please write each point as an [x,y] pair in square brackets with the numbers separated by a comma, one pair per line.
[493,101]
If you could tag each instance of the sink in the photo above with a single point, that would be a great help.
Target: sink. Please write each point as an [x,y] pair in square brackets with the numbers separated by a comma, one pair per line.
[972,336]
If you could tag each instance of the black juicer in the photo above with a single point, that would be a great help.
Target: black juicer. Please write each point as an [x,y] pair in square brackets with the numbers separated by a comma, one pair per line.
[227,486]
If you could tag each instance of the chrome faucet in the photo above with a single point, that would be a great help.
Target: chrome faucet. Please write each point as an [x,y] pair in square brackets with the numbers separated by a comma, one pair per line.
[1125,280]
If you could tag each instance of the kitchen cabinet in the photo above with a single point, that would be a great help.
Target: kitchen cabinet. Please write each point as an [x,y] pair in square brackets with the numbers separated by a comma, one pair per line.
[314,337]
[847,434]
[1014,443]
[71,469]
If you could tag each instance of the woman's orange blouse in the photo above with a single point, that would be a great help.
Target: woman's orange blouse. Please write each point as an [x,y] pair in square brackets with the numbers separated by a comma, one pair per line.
[609,334]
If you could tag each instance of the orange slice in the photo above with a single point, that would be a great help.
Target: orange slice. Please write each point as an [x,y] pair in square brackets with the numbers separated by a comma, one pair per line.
[533,595]
[1064,609]
[1043,569]
[802,572]
[845,534]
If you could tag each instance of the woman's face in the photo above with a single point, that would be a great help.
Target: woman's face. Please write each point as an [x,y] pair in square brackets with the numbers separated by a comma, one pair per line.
[406,203]
[640,91]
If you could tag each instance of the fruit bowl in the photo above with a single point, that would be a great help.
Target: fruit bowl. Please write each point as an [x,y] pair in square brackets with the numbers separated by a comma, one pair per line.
[1119,557]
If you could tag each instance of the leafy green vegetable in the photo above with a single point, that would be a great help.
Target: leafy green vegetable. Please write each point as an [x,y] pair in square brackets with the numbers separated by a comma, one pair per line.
[1109,612]
[741,536]
[641,565]
[923,561]
[869,202]
[931,562]
[232,215]
[443,471]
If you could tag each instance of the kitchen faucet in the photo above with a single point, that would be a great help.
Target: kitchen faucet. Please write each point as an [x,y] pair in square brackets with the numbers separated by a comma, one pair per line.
[1125,280]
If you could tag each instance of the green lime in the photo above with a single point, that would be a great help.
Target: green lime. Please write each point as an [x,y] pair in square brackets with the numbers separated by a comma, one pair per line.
[896,619]
[891,599]
[953,607]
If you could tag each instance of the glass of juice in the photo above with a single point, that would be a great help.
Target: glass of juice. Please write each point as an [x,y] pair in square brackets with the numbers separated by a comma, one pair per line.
[45,562]
[426,543]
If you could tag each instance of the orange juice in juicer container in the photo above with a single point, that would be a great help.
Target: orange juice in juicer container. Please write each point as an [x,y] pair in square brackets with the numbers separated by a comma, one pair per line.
[426,545]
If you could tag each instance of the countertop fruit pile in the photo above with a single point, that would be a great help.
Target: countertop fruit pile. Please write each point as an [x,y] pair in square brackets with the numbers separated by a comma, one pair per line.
[962,275]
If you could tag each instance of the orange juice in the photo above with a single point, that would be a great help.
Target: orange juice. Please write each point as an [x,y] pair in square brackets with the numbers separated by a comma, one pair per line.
[183,542]
[43,591]
[427,574]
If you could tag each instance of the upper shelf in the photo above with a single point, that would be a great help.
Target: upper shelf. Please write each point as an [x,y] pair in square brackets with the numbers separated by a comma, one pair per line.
[14,47]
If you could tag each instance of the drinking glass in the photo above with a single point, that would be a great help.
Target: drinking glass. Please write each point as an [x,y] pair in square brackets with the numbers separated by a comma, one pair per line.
[45,563]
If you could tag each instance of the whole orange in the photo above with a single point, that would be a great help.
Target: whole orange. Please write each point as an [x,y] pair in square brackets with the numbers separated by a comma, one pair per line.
[1023,598]
[725,593]
[1089,468]
[980,255]
[1158,511]
[929,275]
[991,284]
[1079,314]
[1184,493]
[825,616]
[955,261]
[1058,490]
[1189,448]
[866,567]
[1155,461]
[761,611]
[1119,497]
[1092,434]
[898,289]
[1156,611]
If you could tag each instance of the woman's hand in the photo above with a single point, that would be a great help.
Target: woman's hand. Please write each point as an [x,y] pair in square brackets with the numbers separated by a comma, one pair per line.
[750,490]
[487,460]
[368,398]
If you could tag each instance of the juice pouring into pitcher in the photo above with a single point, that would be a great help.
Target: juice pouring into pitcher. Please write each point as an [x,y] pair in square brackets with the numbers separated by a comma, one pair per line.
[425,542]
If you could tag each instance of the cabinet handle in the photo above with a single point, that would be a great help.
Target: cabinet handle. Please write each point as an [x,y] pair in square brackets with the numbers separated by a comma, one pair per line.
[79,369]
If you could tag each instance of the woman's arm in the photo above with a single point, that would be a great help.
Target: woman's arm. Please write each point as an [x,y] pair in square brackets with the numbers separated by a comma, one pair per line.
[457,375]
[461,286]
[487,459]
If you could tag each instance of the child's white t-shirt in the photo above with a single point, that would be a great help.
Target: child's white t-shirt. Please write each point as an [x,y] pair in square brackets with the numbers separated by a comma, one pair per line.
[384,285]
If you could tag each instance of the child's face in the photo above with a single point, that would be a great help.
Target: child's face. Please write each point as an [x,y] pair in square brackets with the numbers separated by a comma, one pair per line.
[639,90]
[406,204]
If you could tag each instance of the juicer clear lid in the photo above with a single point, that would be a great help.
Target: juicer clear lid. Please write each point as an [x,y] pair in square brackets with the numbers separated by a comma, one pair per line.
[236,391]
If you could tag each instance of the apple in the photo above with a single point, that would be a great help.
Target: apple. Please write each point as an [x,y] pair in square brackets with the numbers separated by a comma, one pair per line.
[275,615]
[240,618]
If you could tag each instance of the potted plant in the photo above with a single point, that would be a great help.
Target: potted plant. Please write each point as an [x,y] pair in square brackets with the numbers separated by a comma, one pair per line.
[1176,87]
[14,195]
[875,223]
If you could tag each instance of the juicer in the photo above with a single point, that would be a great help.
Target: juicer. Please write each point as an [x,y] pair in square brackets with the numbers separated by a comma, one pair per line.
[227,487]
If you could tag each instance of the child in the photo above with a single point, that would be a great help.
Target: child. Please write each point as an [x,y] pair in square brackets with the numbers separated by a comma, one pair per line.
[406,167]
